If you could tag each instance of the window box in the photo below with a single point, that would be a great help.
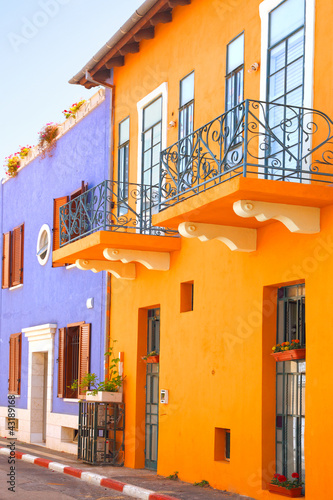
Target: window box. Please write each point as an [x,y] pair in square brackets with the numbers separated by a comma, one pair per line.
[290,355]
[280,490]
[105,397]
[152,359]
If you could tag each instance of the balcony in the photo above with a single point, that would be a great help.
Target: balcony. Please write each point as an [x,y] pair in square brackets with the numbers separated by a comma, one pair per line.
[109,226]
[219,173]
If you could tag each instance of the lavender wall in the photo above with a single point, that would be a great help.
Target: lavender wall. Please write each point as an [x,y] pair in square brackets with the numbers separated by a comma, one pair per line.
[54,295]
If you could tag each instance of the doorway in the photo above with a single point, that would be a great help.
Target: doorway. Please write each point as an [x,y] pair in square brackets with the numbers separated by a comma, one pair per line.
[152,391]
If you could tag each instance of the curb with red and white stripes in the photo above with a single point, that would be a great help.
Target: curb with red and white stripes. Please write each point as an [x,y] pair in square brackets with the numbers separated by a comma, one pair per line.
[126,489]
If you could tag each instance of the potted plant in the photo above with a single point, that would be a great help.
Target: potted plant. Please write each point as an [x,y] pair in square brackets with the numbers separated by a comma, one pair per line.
[103,391]
[152,357]
[288,351]
[71,112]
[47,139]
[12,164]
[285,487]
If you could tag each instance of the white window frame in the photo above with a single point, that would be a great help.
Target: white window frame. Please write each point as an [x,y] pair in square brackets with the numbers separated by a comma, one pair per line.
[44,228]
[162,90]
[264,10]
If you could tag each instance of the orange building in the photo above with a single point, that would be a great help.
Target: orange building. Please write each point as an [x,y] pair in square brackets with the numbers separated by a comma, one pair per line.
[215,228]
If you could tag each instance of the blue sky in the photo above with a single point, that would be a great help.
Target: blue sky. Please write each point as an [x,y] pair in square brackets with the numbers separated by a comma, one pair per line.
[43,44]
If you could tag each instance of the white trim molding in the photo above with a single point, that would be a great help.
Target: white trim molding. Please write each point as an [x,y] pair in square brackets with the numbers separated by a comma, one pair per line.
[162,90]
[117,269]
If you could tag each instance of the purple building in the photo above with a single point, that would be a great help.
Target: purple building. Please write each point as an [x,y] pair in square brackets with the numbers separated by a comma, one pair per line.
[52,318]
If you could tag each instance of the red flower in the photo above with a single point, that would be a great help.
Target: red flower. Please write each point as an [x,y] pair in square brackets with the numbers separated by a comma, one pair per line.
[276,476]
[282,479]
[295,475]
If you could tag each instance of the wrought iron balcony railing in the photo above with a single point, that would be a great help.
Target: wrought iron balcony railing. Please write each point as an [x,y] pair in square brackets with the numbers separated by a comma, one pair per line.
[111,206]
[255,139]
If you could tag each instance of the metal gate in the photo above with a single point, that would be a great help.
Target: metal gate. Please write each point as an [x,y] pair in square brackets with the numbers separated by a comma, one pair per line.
[101,433]
[152,391]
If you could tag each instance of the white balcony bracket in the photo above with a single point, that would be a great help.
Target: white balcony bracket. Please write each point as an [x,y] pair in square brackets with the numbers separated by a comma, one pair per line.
[298,219]
[117,269]
[236,238]
[158,261]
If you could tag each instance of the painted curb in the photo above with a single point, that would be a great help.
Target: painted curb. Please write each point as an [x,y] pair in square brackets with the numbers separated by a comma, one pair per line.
[127,489]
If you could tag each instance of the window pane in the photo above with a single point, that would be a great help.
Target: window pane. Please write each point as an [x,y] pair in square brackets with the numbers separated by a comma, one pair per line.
[296,46]
[152,114]
[287,17]
[277,57]
[235,53]
[124,131]
[187,89]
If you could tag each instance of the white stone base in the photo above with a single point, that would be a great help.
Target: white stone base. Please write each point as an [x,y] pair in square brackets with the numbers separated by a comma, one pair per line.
[55,437]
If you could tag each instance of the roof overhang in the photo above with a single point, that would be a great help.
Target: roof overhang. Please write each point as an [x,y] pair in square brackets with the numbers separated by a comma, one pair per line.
[140,26]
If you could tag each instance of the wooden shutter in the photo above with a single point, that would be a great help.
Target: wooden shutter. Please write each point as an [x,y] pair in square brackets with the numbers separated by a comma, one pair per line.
[14,380]
[84,355]
[57,203]
[61,363]
[6,251]
[17,255]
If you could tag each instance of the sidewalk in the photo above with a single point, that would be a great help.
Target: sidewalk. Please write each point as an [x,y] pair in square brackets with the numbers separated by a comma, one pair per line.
[136,483]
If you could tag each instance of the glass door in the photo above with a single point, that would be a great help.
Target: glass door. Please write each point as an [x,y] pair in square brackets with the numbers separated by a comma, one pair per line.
[152,391]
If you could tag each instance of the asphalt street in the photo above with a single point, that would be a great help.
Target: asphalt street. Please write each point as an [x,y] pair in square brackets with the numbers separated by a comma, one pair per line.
[38,483]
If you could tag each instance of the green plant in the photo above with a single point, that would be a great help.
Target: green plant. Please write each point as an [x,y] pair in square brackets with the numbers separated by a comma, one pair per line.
[287,346]
[281,480]
[91,383]
[173,476]
[47,139]
[202,484]
[152,353]
[71,112]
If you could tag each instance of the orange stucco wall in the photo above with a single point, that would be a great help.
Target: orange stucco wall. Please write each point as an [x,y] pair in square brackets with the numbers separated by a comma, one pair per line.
[215,359]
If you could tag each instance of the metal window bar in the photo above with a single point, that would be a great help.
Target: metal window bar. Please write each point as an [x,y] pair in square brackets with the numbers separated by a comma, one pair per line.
[97,210]
[212,159]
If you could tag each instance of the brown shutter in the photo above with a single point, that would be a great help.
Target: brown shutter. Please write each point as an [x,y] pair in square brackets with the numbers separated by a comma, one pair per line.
[84,355]
[57,203]
[17,255]
[6,250]
[61,362]
[14,385]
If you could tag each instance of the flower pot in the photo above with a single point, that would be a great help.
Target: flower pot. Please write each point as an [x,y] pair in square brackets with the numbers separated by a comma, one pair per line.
[105,397]
[289,355]
[153,359]
[280,490]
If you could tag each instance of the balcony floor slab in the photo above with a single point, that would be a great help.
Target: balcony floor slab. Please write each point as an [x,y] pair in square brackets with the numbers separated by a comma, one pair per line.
[93,245]
[215,205]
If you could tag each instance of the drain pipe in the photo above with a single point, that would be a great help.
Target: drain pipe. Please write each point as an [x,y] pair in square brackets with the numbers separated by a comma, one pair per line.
[107,329]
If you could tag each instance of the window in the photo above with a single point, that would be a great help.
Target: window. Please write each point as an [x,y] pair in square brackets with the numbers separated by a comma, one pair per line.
[43,244]
[222,444]
[12,257]
[152,142]
[73,358]
[186,112]
[186,296]
[123,159]
[285,82]
[290,384]
[14,381]
[186,109]
[60,227]
[234,88]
